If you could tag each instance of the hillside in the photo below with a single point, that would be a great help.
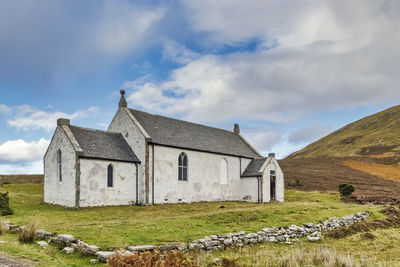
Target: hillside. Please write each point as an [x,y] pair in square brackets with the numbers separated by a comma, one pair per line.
[378,134]
[326,173]
[365,153]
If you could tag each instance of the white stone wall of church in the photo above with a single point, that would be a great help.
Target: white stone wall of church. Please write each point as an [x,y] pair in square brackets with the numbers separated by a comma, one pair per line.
[249,189]
[94,190]
[245,162]
[56,192]
[123,124]
[279,182]
[203,177]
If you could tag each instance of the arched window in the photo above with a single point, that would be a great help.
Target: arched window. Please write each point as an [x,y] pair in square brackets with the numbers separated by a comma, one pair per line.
[223,174]
[110,176]
[59,162]
[182,167]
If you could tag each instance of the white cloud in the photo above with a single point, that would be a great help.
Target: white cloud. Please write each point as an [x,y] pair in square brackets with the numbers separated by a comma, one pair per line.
[291,23]
[22,151]
[28,118]
[263,140]
[328,56]
[34,167]
[123,26]
[309,133]
[178,53]
[4,109]
[51,39]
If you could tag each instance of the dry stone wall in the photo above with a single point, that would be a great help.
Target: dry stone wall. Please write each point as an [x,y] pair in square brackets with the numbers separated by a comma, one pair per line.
[292,233]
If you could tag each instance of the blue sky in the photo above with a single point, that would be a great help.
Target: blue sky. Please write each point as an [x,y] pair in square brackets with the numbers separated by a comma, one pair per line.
[288,72]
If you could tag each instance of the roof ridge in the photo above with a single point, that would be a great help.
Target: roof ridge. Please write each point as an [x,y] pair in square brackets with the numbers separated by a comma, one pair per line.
[194,123]
[95,130]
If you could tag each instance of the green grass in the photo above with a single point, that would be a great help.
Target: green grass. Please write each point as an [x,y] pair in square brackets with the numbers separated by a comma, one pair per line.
[380,251]
[33,254]
[128,225]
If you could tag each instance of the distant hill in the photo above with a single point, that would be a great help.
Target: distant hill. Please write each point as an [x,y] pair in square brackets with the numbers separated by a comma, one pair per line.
[21,179]
[365,153]
[378,134]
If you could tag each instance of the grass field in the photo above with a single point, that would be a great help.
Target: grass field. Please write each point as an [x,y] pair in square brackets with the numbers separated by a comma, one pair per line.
[382,250]
[118,226]
[126,225]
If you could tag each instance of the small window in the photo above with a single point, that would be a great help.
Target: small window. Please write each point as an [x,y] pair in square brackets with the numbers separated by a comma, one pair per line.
[110,176]
[182,167]
[59,162]
[223,167]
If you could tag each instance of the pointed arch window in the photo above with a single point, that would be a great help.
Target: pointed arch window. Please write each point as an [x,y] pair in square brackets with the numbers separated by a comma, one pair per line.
[183,167]
[59,163]
[110,176]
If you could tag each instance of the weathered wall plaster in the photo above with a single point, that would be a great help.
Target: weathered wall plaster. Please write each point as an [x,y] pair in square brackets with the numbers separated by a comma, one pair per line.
[94,190]
[56,192]
[124,125]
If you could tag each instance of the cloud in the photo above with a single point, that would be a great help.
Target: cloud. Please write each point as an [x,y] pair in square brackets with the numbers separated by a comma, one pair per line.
[4,109]
[34,167]
[291,24]
[22,151]
[177,52]
[262,139]
[51,39]
[325,57]
[309,133]
[30,118]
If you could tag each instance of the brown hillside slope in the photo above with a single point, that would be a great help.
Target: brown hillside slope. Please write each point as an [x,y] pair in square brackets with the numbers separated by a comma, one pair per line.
[373,135]
[325,174]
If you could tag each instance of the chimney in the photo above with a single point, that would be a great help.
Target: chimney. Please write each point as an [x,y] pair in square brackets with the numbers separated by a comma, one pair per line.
[63,121]
[122,101]
[236,128]
[271,155]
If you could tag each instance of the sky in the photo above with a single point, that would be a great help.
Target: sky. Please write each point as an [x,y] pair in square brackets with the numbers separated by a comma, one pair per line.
[289,72]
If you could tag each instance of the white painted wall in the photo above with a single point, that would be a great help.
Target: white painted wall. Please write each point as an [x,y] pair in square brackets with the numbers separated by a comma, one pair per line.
[249,189]
[121,123]
[280,186]
[203,177]
[56,192]
[94,190]
[244,162]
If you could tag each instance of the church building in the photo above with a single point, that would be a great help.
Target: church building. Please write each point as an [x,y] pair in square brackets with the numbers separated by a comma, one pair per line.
[145,159]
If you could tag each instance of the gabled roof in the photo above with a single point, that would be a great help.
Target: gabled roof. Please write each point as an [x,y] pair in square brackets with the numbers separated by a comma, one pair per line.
[254,167]
[103,145]
[182,134]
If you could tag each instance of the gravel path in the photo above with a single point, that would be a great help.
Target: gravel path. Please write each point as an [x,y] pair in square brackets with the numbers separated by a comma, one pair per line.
[6,262]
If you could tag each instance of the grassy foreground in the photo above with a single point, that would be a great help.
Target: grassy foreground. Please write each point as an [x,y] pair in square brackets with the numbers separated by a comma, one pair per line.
[129,225]
[355,250]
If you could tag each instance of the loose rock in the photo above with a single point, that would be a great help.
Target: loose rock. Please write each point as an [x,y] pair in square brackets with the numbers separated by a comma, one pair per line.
[68,250]
[43,244]
[104,255]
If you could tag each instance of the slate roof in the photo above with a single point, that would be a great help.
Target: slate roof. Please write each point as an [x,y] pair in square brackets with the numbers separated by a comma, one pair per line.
[253,168]
[183,134]
[103,145]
